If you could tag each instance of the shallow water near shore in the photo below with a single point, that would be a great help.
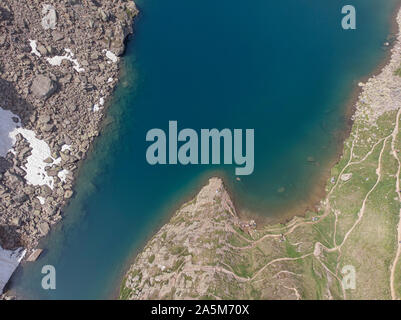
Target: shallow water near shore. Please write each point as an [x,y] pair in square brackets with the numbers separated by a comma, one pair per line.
[284,68]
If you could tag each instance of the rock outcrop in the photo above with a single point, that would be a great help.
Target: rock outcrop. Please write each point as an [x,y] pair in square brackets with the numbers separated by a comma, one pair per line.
[43,87]
[49,20]
[175,264]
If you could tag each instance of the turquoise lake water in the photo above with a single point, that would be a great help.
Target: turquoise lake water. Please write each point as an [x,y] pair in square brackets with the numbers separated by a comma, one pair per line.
[285,68]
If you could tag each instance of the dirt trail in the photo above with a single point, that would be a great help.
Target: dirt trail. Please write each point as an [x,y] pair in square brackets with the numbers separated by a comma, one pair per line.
[397,189]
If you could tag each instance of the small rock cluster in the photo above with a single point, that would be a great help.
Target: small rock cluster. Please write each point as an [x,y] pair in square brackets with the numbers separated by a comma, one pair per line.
[54,68]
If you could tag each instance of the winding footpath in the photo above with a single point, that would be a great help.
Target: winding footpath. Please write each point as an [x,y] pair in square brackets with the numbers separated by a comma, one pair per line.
[397,188]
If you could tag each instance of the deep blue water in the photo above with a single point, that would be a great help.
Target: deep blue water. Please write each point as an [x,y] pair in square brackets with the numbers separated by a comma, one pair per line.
[285,68]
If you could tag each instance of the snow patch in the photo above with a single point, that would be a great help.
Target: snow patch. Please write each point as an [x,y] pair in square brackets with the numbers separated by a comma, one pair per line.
[33,45]
[41,199]
[49,20]
[35,166]
[96,106]
[65,147]
[9,261]
[111,56]
[57,60]
[63,174]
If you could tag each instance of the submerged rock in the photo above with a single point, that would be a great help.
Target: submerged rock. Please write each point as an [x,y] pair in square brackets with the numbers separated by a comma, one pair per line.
[44,228]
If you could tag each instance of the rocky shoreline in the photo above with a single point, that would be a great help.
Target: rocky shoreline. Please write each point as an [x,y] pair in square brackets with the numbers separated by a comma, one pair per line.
[59,64]
[197,234]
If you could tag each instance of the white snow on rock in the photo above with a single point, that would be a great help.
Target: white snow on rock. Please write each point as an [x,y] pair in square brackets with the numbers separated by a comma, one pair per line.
[35,166]
[96,106]
[65,147]
[33,45]
[111,56]
[49,19]
[9,261]
[63,174]
[57,60]
[41,199]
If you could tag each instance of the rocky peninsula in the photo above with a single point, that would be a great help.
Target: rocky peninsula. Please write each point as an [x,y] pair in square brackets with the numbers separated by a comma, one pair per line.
[206,252]
[59,64]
